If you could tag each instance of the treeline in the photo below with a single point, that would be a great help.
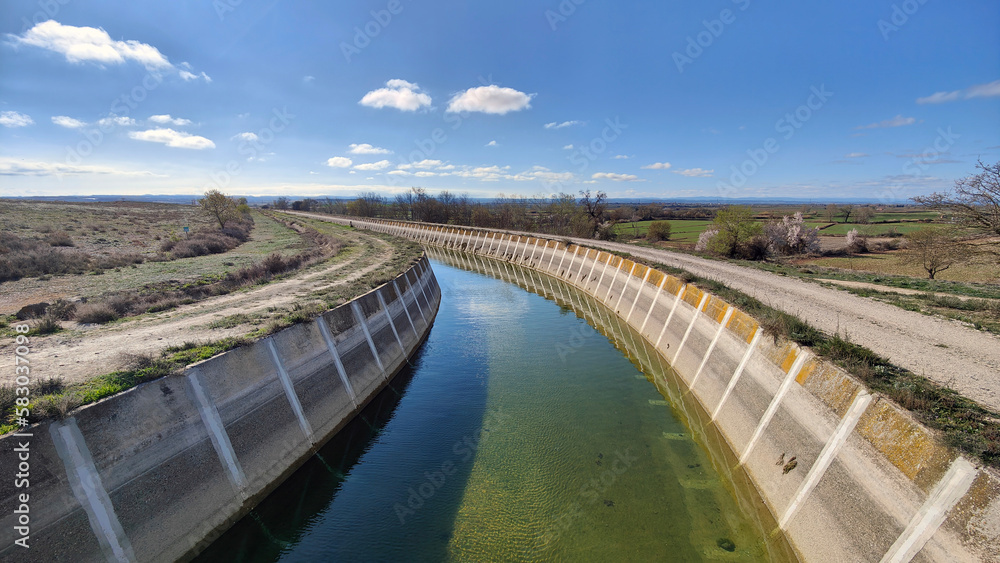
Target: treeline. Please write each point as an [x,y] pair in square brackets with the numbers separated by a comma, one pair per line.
[587,214]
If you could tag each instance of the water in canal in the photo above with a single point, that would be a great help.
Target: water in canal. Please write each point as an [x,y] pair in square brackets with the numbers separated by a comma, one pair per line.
[519,432]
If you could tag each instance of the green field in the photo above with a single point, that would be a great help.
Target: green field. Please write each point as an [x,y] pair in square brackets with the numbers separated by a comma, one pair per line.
[682,230]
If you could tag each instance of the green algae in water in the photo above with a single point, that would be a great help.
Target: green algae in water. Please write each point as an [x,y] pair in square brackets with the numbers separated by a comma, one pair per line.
[524,434]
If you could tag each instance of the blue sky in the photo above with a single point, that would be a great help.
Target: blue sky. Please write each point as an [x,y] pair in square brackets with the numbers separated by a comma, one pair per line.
[730,98]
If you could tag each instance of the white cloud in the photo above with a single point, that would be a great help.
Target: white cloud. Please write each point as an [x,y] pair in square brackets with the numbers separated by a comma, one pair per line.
[447,167]
[425,164]
[308,78]
[657,166]
[424,174]
[898,121]
[694,172]
[555,125]
[568,148]
[15,119]
[615,177]
[167,120]
[395,173]
[989,90]
[94,45]
[492,144]
[399,94]
[855,155]
[365,148]
[339,162]
[544,174]
[490,99]
[189,76]
[171,138]
[380,165]
[115,121]
[621,157]
[22,167]
[67,122]
[245,136]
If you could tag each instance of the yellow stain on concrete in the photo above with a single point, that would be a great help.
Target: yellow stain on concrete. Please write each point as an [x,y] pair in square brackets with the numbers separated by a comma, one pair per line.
[673,285]
[716,308]
[743,325]
[786,363]
[977,513]
[829,384]
[693,296]
[656,278]
[905,443]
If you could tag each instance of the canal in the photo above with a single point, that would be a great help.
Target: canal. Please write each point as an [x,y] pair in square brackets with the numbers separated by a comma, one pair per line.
[531,425]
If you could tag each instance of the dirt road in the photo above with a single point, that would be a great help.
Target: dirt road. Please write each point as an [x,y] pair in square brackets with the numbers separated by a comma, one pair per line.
[90,350]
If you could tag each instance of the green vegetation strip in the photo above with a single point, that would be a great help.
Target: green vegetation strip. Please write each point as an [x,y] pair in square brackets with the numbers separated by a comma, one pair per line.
[964,424]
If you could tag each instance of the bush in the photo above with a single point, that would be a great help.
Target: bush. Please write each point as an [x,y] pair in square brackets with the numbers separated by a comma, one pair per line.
[47,325]
[791,236]
[59,238]
[96,313]
[658,230]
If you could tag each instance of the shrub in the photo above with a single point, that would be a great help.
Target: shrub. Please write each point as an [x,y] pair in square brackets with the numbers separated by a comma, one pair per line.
[856,242]
[97,313]
[47,325]
[791,236]
[704,239]
[59,238]
[658,230]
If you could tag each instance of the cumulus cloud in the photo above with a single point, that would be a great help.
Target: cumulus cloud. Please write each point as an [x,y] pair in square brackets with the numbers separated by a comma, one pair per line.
[365,148]
[898,121]
[369,166]
[399,94]
[491,144]
[555,125]
[168,120]
[621,157]
[615,177]
[67,122]
[94,45]
[15,119]
[339,162]
[490,99]
[245,136]
[657,166]
[568,147]
[989,90]
[694,172]
[171,138]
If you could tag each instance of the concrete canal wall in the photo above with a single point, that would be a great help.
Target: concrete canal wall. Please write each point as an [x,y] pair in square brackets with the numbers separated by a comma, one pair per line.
[868,482]
[157,472]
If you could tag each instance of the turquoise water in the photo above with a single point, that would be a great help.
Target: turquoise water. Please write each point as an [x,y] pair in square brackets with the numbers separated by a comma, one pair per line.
[520,432]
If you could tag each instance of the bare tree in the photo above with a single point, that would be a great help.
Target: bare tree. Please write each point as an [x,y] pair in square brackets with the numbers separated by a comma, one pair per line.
[281,203]
[936,250]
[831,212]
[864,214]
[595,206]
[975,202]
